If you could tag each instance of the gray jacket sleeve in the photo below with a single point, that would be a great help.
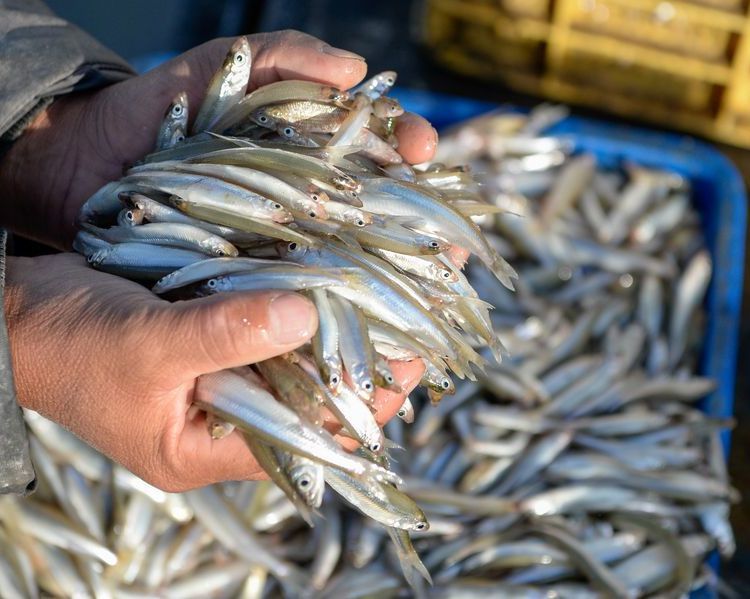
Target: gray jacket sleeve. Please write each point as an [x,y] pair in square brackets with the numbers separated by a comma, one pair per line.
[41,56]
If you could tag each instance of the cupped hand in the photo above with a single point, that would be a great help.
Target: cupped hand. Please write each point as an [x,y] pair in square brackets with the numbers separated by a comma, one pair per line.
[117,366]
[85,140]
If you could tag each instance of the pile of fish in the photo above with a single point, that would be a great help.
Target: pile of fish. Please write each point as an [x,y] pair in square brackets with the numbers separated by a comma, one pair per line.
[581,466]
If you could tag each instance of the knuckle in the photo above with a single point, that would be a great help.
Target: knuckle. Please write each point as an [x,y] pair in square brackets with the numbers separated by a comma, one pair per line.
[290,36]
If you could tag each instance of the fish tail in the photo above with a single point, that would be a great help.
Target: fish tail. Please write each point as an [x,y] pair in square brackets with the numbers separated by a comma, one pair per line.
[295,582]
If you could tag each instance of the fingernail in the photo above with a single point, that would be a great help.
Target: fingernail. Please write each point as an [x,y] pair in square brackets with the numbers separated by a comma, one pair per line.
[339,53]
[291,318]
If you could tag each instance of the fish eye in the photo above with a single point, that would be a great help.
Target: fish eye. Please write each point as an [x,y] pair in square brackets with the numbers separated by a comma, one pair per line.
[335,379]
[445,384]
[277,206]
[375,446]
[389,379]
[288,131]
[239,58]
[354,194]
[367,386]
[304,483]
[420,525]
[292,247]
[389,80]
[360,222]
[315,197]
[401,413]
[433,244]
[446,274]
[180,138]
[176,110]
[211,283]
[129,215]
[263,118]
[312,214]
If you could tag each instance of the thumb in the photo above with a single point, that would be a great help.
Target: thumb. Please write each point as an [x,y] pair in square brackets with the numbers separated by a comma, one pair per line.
[233,329]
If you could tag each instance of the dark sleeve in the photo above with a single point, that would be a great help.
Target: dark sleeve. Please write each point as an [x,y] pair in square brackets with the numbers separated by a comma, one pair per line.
[41,56]
[16,472]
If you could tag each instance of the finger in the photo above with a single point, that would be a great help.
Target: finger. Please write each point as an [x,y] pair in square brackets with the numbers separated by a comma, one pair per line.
[215,460]
[407,375]
[234,329]
[386,403]
[295,55]
[417,139]
[458,255]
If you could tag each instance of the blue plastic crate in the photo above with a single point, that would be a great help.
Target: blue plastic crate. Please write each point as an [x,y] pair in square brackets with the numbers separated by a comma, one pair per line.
[718,194]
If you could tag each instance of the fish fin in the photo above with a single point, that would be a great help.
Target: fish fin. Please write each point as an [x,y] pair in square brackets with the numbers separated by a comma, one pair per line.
[238,141]
[498,349]
[409,222]
[456,368]
[479,209]
[393,445]
[410,563]
[503,271]
[476,301]
[348,239]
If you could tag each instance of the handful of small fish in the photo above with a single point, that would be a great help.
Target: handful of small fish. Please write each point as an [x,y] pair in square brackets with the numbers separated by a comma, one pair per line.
[578,467]
[296,186]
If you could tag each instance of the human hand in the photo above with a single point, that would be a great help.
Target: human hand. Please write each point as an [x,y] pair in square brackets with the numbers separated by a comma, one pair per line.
[83,141]
[117,366]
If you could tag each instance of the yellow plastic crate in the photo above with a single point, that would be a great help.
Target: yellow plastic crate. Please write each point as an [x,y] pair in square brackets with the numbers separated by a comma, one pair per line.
[681,63]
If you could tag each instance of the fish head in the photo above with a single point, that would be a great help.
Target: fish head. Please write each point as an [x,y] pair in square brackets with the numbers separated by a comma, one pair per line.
[220,247]
[238,58]
[99,256]
[216,285]
[374,440]
[414,522]
[309,482]
[261,116]
[316,194]
[431,245]
[387,77]
[130,217]
[292,250]
[406,411]
[444,275]
[438,382]
[178,108]
[277,212]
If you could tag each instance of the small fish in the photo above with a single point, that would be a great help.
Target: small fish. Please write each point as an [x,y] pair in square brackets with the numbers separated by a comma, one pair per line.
[226,87]
[173,129]
[377,86]
[168,234]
